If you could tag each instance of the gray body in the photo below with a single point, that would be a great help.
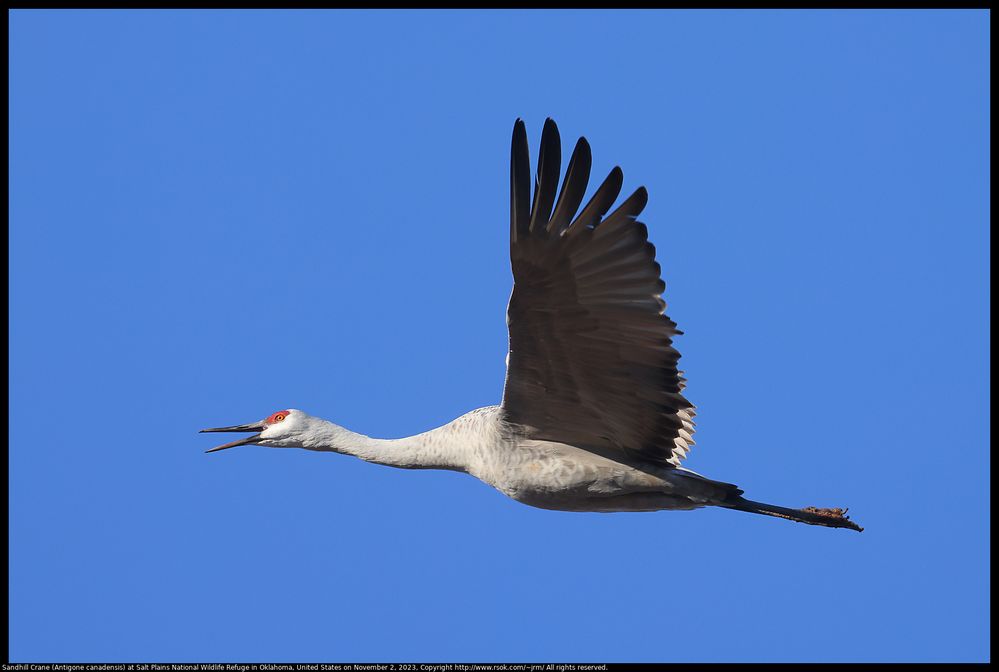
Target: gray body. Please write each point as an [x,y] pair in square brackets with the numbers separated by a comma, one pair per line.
[555,475]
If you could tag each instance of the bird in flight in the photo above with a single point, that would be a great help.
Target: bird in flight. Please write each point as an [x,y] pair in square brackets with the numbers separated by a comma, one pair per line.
[593,416]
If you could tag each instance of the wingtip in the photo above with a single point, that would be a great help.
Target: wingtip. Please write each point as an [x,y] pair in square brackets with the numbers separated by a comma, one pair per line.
[551,129]
[550,132]
[520,181]
[519,141]
[641,197]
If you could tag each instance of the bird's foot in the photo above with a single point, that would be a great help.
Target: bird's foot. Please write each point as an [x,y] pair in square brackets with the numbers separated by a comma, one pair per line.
[835,513]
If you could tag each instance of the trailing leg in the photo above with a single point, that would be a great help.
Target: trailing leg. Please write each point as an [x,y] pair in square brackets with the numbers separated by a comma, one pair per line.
[810,514]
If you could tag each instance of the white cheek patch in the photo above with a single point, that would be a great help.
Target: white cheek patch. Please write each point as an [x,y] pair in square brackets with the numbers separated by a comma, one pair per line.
[282,431]
[286,433]
[275,431]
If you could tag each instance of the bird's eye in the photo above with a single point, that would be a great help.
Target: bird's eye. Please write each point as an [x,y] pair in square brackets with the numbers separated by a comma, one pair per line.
[277,417]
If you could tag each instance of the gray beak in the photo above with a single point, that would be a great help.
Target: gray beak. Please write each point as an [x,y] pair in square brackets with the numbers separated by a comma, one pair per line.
[252,427]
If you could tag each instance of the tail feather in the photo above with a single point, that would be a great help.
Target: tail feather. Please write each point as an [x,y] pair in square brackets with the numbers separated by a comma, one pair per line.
[811,515]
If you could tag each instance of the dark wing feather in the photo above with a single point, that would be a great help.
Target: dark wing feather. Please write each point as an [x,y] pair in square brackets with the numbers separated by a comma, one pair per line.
[573,188]
[591,357]
[520,183]
[546,182]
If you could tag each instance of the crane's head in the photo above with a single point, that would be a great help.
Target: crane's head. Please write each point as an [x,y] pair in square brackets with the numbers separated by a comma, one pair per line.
[282,429]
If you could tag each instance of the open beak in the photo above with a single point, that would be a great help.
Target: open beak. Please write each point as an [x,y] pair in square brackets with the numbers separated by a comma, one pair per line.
[252,427]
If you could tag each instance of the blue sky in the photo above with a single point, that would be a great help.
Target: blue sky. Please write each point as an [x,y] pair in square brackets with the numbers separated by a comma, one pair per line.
[217,215]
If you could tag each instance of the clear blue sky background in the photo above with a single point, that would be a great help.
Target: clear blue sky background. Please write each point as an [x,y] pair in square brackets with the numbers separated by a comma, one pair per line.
[217,215]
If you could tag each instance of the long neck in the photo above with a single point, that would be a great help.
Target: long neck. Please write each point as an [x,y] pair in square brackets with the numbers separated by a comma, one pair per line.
[436,449]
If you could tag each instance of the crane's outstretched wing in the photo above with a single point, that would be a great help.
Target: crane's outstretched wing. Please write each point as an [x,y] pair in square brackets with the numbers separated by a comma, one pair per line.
[591,358]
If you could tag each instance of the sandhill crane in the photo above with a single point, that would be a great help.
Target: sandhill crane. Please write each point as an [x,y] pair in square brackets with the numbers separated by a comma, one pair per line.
[593,417]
